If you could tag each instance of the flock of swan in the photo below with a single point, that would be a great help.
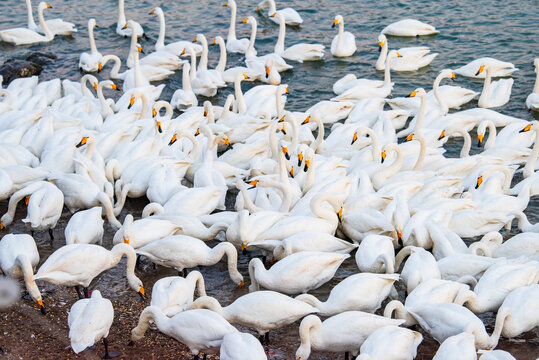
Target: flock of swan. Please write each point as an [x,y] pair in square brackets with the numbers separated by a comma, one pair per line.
[306,198]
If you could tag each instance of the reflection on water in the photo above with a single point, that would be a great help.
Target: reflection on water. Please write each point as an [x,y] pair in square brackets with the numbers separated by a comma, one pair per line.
[468,30]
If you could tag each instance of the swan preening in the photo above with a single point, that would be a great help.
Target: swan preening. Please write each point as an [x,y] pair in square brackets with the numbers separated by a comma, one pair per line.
[332,213]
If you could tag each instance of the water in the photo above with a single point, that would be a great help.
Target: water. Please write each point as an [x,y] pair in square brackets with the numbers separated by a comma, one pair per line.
[468,30]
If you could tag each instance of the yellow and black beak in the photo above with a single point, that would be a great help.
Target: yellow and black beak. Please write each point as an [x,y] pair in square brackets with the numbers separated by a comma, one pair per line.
[335,22]
[225,4]
[452,77]
[286,154]
[124,27]
[300,159]
[48,6]
[154,113]
[307,120]
[481,68]
[410,137]
[380,45]
[479,140]
[152,12]
[140,50]
[245,76]
[526,128]
[398,54]
[131,102]
[244,21]
[412,94]
[99,67]
[195,39]
[479,181]
[126,240]
[399,237]
[141,293]
[227,143]
[95,25]
[307,162]
[173,140]
[41,307]
[286,91]
[442,135]
[291,172]
[158,125]
[267,72]
[197,132]
[383,156]
[253,184]
[354,139]
[243,249]
[283,130]
[339,215]
[114,87]
[273,15]
[82,142]
[281,119]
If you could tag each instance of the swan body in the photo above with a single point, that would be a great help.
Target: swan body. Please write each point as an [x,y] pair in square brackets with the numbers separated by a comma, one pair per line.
[174,294]
[494,94]
[236,345]
[121,28]
[376,254]
[409,27]
[497,67]
[89,321]
[184,98]
[25,36]
[298,52]
[89,62]
[523,244]
[85,227]
[233,44]
[291,16]
[362,292]
[460,346]
[343,44]
[532,101]
[309,241]
[391,343]
[296,273]
[412,58]
[144,231]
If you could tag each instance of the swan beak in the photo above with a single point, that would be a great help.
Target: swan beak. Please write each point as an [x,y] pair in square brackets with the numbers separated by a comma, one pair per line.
[281,119]
[481,68]
[205,113]
[99,67]
[41,307]
[283,130]
[173,140]
[131,102]
[300,159]
[2,226]
[306,120]
[48,6]
[139,48]
[339,215]
[286,154]
[126,241]
[453,77]
[399,55]
[154,113]
[225,4]
[335,22]
[158,124]
[245,76]
[243,248]
[383,155]
[183,52]
[273,15]
[195,39]
[527,128]
[244,21]
[95,25]
[141,293]
[227,143]
[412,94]
[253,184]
[479,140]
[380,45]
[442,135]
[95,87]
[286,91]
[354,139]
[410,137]
[214,42]
[26,200]
[479,181]
[124,27]
[306,168]
[291,172]
[114,87]
[399,236]
[267,72]
[242,284]
[82,142]
[152,12]
[197,132]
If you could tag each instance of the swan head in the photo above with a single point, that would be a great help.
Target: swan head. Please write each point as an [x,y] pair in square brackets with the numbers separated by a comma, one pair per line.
[479,181]
[156,11]
[442,135]
[481,69]
[338,20]
[136,284]
[526,128]
[339,215]
[43,5]
[249,20]
[82,142]
[447,74]
[381,41]
[417,92]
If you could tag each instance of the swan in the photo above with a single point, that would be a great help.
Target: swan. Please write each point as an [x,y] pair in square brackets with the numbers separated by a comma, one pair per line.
[497,282]
[409,27]
[45,203]
[494,94]
[344,332]
[144,231]
[202,85]
[85,227]
[56,26]
[343,44]
[460,346]
[232,44]
[456,266]
[495,355]
[185,252]
[184,98]
[18,258]
[236,345]
[412,58]
[212,75]
[261,310]
[24,36]
[79,264]
[532,101]
[376,254]
[89,62]
[291,16]
[517,314]
[176,47]
[420,266]
[121,29]
[391,343]
[362,292]
[89,321]
[174,294]
[498,68]
[200,330]
[297,273]
[523,244]
[298,52]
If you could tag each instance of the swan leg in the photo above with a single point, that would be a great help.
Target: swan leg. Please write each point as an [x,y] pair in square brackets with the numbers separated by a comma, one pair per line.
[51,234]
[185,272]
[196,357]
[108,354]
[86,295]
[346,355]
[78,292]
[266,338]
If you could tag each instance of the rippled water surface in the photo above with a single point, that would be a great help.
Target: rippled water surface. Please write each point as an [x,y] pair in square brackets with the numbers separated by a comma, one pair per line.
[468,29]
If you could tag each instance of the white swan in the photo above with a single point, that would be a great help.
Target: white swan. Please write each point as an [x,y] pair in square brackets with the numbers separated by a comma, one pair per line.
[291,16]
[174,294]
[89,62]
[18,258]
[523,244]
[184,252]
[420,266]
[344,43]
[376,253]
[85,227]
[199,329]
[261,310]
[494,94]
[296,273]
[412,58]
[235,345]
[233,44]
[298,52]
[460,346]
[498,68]
[391,343]
[532,101]
[184,98]
[79,264]
[176,47]
[144,231]
[121,29]
[409,27]
[89,321]
[24,36]
[362,292]
[56,26]
[344,332]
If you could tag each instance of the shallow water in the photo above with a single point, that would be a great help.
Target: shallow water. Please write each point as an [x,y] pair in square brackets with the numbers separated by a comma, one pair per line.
[468,30]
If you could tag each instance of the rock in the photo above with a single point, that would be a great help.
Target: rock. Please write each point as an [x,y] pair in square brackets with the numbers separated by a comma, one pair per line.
[42,58]
[13,69]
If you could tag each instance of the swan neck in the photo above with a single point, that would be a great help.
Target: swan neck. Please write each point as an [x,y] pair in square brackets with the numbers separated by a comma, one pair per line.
[197,281]
[532,159]
[272,7]
[44,27]
[186,80]
[498,327]
[107,205]
[160,43]
[203,63]
[193,64]
[232,28]
[536,86]
[422,151]
[311,323]
[150,313]
[436,89]
[207,302]
[222,57]
[31,22]
[491,135]
[320,136]
[387,72]
[256,269]
[238,94]
[28,274]
[93,47]
[313,301]
[138,73]
[231,258]
[486,86]
[279,46]
[422,111]
[121,13]
[251,49]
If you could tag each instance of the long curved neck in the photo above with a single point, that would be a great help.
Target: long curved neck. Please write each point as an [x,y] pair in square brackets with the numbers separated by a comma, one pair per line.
[465,151]
[279,46]
[256,271]
[341,31]
[530,164]
[93,47]
[421,115]
[15,199]
[238,94]
[491,135]
[536,86]
[436,90]
[121,12]
[114,72]
[186,81]
[295,131]
[84,88]
[31,22]
[28,274]
[422,151]
[387,72]
[232,28]
[160,43]
[403,253]
[321,133]
[151,313]
[498,327]
[104,104]
[246,199]
[395,166]
[273,140]
[375,144]
[323,212]
[222,57]
[118,251]
[193,63]
[197,280]
[231,257]
[109,210]
[279,106]
[251,49]
[138,73]
[207,302]
[44,27]
[313,301]
[193,154]
[486,85]
[203,63]
[308,325]
[381,62]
